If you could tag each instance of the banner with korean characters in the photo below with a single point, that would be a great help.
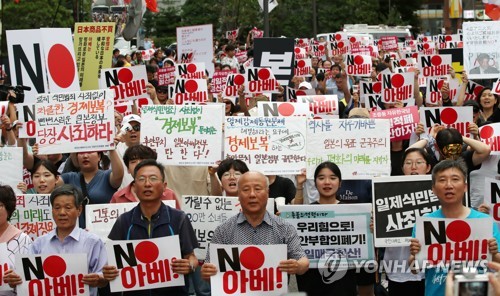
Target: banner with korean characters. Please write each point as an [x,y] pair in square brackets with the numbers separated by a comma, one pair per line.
[455,117]
[144,264]
[397,202]
[272,145]
[248,270]
[11,162]
[283,109]
[360,147]
[100,218]
[321,106]
[490,135]
[196,41]
[93,49]
[128,83]
[55,274]
[492,197]
[75,122]
[5,264]
[33,214]
[453,240]
[403,121]
[206,213]
[184,134]
[332,231]
[434,65]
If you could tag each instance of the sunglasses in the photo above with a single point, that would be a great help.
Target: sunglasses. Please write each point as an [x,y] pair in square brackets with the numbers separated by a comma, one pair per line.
[162,91]
[136,128]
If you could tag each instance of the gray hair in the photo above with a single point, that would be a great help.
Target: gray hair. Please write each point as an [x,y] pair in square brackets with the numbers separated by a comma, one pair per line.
[449,164]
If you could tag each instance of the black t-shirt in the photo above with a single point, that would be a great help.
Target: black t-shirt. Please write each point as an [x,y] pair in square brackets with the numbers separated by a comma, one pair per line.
[282,187]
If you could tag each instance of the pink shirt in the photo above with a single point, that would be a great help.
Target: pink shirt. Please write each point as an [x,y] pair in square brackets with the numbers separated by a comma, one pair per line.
[126,195]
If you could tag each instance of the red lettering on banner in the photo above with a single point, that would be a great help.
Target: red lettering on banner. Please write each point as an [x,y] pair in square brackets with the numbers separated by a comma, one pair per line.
[252,280]
[262,85]
[441,70]
[493,142]
[471,250]
[302,71]
[359,69]
[400,93]
[77,132]
[182,98]
[3,268]
[64,285]
[318,107]
[147,274]
[130,89]
[496,212]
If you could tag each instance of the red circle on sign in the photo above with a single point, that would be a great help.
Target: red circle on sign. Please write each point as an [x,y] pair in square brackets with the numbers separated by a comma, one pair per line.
[121,109]
[448,38]
[458,231]
[426,46]
[146,252]
[142,102]
[54,266]
[352,39]
[486,132]
[338,36]
[377,87]
[286,109]
[252,258]
[425,39]
[239,79]
[191,68]
[340,44]
[403,63]
[358,60]
[397,80]
[440,83]
[414,55]
[449,116]
[297,50]
[191,86]
[301,41]
[301,64]
[125,75]
[321,47]
[264,74]
[61,65]
[436,60]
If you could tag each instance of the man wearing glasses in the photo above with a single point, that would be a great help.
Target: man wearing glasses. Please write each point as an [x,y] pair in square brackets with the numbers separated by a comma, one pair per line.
[152,219]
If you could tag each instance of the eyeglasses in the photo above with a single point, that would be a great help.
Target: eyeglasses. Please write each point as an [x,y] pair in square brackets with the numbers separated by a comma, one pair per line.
[151,179]
[410,163]
[136,128]
[162,91]
[228,174]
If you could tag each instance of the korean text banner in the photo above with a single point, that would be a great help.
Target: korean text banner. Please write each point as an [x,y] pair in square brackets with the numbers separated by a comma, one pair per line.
[75,122]
[100,218]
[184,134]
[492,197]
[206,213]
[33,214]
[360,147]
[332,231]
[276,54]
[11,162]
[197,41]
[248,270]
[453,240]
[403,121]
[272,145]
[93,49]
[58,274]
[397,202]
[144,264]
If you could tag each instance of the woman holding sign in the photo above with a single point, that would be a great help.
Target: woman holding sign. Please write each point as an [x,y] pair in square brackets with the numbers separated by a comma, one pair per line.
[327,178]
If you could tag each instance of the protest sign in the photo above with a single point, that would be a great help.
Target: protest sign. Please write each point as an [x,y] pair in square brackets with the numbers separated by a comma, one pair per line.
[303,68]
[408,62]
[206,213]
[433,91]
[259,80]
[248,270]
[318,50]
[265,109]
[403,121]
[472,90]
[256,33]
[184,135]
[434,65]
[241,56]
[75,122]
[321,106]
[291,94]
[490,135]
[300,53]
[453,240]
[455,117]
[398,87]
[481,57]
[233,83]
[302,42]
[370,94]
[190,91]
[57,274]
[232,35]
[272,145]
[198,41]
[26,63]
[388,43]
[166,75]
[128,83]
[277,55]
[329,230]
[5,264]
[360,147]
[144,264]
[358,65]
[100,218]
[190,70]
[219,80]
[26,115]
[492,197]
[33,214]
[397,202]
[93,44]
[496,87]
[338,47]
[426,48]
[11,161]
